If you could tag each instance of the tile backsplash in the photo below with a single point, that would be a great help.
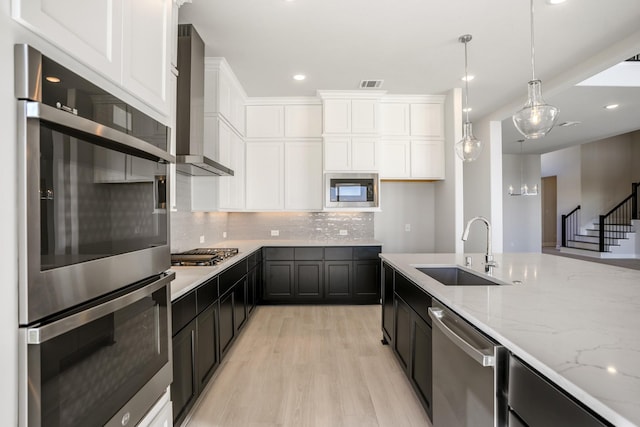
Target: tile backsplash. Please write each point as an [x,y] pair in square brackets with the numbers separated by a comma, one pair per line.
[187,227]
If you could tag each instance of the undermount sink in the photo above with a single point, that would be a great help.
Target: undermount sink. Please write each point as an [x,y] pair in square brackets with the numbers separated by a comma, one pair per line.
[455,276]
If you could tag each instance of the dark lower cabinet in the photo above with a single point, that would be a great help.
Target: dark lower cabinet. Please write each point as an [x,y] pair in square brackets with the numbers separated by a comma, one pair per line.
[337,279]
[240,304]
[366,281]
[308,279]
[226,319]
[207,339]
[421,371]
[184,389]
[387,304]
[402,339]
[278,280]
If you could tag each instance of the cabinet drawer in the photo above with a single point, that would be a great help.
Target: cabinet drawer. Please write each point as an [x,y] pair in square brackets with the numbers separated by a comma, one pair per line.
[207,293]
[308,254]
[417,299]
[278,254]
[229,277]
[539,403]
[338,254]
[366,252]
[183,311]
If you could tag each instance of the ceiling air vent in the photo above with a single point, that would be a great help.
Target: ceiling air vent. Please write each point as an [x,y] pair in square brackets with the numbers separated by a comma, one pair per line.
[370,84]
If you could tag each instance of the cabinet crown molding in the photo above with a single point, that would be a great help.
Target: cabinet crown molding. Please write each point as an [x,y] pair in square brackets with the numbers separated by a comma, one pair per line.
[348,94]
[219,63]
[283,100]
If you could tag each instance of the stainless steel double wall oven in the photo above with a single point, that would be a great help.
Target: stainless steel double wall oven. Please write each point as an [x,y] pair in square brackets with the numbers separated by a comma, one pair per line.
[94,296]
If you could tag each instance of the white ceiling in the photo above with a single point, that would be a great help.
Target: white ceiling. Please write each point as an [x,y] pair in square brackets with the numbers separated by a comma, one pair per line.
[413,46]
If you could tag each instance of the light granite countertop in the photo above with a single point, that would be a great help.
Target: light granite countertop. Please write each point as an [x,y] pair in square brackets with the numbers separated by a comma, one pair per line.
[576,322]
[187,278]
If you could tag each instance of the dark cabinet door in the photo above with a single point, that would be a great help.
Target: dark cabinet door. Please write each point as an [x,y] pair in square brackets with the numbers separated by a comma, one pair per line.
[207,339]
[226,318]
[337,279]
[308,279]
[402,336]
[421,371]
[240,304]
[387,303]
[252,277]
[366,281]
[278,280]
[184,389]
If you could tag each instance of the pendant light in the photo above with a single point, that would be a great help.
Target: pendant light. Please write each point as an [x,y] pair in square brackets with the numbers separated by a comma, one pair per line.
[537,117]
[468,148]
[524,188]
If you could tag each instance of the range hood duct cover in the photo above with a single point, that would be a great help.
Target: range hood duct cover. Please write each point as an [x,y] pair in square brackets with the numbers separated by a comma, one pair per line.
[190,157]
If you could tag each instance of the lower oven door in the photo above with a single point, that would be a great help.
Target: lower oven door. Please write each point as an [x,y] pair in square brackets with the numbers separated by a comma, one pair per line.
[106,365]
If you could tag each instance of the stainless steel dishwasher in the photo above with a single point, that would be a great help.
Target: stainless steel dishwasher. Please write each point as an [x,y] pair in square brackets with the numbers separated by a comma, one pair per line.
[469,374]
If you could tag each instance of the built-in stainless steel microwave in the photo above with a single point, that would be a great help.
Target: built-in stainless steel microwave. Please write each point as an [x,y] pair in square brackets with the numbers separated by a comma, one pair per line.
[351,190]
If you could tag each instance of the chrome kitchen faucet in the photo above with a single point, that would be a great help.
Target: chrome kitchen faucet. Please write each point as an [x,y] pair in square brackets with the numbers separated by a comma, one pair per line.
[488,257]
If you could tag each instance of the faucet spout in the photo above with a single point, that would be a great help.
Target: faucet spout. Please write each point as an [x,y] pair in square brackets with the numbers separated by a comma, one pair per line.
[488,257]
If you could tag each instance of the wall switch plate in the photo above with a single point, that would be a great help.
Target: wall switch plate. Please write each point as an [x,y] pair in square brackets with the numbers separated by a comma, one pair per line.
[224,234]
[275,233]
[344,232]
[201,239]
[407,227]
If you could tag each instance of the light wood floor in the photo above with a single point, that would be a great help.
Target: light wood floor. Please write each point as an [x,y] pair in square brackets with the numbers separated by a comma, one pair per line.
[310,366]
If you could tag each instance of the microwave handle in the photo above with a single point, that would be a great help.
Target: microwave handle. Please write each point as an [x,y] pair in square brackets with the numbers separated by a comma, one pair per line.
[77,124]
[52,330]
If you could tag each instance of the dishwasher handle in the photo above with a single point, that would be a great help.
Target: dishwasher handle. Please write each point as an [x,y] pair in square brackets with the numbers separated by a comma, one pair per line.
[438,316]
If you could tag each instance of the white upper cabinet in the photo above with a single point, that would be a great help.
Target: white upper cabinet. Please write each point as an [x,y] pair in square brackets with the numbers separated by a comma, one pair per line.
[265,121]
[337,116]
[337,154]
[90,31]
[396,159]
[347,116]
[224,96]
[364,154]
[427,120]
[129,42]
[364,116]
[394,118]
[303,175]
[303,121]
[427,159]
[265,176]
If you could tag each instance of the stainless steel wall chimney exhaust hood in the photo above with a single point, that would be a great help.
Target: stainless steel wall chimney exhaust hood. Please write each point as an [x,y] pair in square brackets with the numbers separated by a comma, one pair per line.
[190,157]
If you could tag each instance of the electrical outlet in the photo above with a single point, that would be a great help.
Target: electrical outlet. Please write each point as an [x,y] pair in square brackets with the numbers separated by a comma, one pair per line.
[201,239]
[275,233]
[224,234]
[407,227]
[344,232]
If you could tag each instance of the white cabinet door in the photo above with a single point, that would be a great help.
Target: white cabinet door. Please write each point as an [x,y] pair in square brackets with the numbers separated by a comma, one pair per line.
[427,159]
[146,50]
[237,112]
[337,154]
[265,121]
[224,95]
[265,175]
[303,176]
[337,116]
[364,154]
[395,160]
[90,31]
[394,118]
[427,120]
[303,121]
[364,116]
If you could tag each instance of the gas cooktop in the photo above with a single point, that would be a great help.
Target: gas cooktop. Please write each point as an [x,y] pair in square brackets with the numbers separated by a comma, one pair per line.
[204,257]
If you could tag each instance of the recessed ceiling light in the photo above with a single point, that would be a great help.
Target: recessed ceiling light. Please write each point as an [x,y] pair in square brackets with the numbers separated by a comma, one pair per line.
[469,78]
[555,1]
[299,77]
[611,106]
[52,79]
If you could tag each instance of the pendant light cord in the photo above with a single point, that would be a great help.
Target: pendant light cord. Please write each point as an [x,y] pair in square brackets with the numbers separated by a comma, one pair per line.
[533,55]
[466,82]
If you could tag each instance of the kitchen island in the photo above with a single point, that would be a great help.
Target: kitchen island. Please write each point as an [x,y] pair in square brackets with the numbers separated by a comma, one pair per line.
[575,322]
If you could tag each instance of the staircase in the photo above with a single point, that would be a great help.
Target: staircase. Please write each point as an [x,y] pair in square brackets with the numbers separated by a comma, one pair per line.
[613,235]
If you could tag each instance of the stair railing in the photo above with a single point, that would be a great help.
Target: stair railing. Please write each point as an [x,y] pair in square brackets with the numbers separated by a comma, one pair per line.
[635,193]
[617,221]
[570,226]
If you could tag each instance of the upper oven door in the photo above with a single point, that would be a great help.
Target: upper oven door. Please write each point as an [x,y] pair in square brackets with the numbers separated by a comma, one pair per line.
[93,210]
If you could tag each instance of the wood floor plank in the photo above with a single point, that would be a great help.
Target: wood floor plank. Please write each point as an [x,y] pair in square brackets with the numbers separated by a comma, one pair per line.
[309,366]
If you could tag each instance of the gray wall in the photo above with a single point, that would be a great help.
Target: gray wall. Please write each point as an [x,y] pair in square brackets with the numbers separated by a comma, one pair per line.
[406,203]
[522,215]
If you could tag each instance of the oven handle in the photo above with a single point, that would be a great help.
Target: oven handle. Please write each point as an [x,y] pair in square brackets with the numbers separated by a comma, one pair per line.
[52,330]
[37,110]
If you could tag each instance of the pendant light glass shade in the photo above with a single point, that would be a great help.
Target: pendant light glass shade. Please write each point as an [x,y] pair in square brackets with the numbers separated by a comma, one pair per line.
[469,147]
[537,117]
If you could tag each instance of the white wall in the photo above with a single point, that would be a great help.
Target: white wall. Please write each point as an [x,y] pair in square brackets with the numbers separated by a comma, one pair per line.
[566,166]
[403,203]
[522,215]
[449,215]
